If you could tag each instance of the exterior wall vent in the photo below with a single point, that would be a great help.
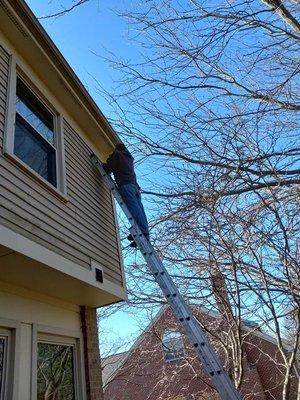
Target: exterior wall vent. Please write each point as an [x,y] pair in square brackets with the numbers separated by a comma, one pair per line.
[98,271]
[99,275]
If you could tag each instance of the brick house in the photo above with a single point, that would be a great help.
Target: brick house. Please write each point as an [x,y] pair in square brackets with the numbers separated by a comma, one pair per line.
[161,365]
[60,255]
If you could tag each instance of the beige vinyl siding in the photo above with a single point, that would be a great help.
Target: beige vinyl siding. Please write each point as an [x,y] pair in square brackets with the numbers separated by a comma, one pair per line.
[82,228]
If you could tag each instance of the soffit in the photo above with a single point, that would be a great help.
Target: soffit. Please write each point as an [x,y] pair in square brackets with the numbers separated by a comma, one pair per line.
[24,272]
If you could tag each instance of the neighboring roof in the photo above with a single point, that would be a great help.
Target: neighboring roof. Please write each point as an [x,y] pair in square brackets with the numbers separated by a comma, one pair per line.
[135,345]
[110,364]
[40,36]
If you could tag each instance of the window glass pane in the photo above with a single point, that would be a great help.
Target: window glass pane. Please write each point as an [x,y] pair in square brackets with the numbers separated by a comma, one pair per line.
[173,346]
[34,112]
[55,372]
[34,151]
[3,350]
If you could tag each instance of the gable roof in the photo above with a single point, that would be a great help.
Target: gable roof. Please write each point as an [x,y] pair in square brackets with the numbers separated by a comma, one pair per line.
[126,355]
[247,326]
[110,364]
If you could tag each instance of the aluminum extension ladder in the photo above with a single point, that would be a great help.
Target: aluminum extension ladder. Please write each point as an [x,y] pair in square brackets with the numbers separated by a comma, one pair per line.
[205,353]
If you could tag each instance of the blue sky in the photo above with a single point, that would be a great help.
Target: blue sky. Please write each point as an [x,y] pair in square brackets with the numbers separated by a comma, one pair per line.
[93,28]
[89,29]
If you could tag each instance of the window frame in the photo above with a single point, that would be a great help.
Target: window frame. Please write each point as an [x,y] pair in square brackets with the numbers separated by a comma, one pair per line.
[54,340]
[165,350]
[16,72]
[5,333]
[45,334]
[12,329]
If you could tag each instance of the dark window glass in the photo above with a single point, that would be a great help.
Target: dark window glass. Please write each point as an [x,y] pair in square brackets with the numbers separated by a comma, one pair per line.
[3,351]
[173,346]
[34,112]
[55,372]
[33,151]
[34,134]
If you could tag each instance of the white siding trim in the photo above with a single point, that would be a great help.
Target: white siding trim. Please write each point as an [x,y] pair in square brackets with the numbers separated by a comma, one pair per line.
[14,356]
[60,156]
[31,249]
[8,142]
[113,202]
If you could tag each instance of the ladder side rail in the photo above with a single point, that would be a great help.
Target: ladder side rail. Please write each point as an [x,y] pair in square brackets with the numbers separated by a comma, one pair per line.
[182,311]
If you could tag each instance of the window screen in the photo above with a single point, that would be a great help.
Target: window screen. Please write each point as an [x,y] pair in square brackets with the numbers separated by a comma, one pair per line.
[55,372]
[34,141]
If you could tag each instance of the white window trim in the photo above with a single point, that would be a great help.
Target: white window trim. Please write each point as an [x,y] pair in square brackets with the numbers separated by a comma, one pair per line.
[12,328]
[5,333]
[47,334]
[9,132]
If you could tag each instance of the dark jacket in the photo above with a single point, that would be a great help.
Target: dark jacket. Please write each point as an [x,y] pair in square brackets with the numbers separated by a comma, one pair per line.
[120,163]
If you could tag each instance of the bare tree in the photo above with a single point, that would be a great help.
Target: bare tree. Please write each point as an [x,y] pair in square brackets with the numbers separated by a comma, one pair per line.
[64,9]
[213,104]
[55,373]
[162,364]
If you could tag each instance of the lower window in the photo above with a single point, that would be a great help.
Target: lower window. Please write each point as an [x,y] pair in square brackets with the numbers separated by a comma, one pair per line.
[56,378]
[3,363]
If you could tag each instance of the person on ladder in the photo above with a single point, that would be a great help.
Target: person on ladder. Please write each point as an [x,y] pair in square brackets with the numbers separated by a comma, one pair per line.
[121,164]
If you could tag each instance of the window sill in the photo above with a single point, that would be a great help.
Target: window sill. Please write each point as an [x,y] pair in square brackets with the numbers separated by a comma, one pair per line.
[39,179]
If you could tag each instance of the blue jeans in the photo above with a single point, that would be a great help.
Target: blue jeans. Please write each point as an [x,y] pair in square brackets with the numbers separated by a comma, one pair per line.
[132,198]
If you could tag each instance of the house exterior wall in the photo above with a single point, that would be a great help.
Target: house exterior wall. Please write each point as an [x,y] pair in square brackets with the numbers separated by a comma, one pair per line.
[145,374]
[82,227]
[4,74]
[27,314]
[268,360]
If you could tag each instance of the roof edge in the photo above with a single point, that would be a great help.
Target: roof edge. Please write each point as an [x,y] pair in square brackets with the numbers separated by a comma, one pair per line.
[39,33]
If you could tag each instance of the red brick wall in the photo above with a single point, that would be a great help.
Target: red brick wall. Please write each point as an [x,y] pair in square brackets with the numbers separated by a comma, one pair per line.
[145,375]
[268,360]
[91,354]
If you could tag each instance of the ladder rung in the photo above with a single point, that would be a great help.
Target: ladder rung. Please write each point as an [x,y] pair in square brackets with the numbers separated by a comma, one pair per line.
[186,318]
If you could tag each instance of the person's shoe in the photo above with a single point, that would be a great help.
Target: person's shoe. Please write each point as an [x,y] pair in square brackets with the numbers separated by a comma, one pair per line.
[130,238]
[133,244]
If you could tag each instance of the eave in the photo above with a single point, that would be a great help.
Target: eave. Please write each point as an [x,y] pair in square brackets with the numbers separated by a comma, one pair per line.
[31,41]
